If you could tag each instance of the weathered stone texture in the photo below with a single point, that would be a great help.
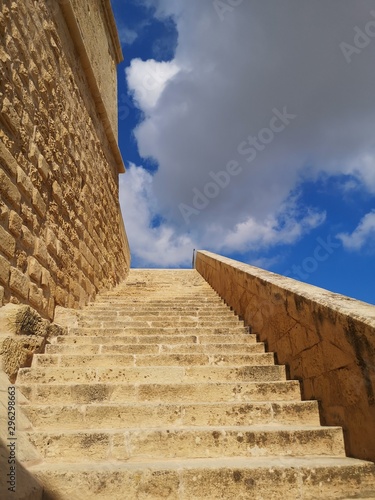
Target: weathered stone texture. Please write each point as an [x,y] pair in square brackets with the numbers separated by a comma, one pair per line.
[94,22]
[23,333]
[327,340]
[61,232]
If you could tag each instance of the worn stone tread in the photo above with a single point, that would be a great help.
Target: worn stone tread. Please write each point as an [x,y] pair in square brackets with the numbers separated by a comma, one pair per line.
[163,393]
[159,359]
[259,478]
[158,374]
[198,442]
[133,329]
[258,347]
[108,415]
[152,338]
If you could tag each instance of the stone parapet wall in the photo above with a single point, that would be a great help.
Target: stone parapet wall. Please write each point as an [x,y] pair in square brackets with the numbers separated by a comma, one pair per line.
[61,229]
[326,340]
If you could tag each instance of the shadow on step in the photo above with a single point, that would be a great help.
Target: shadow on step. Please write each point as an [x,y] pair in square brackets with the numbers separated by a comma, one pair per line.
[16,481]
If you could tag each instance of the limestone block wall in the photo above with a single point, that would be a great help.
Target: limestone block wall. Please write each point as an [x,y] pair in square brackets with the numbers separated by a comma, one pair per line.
[326,340]
[61,230]
[98,29]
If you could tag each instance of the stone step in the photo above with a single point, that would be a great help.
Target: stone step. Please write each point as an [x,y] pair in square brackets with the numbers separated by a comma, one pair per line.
[156,374]
[167,302]
[121,317]
[120,338]
[162,393]
[205,291]
[91,349]
[214,310]
[162,323]
[155,349]
[163,359]
[188,442]
[194,310]
[204,309]
[256,478]
[170,415]
[181,330]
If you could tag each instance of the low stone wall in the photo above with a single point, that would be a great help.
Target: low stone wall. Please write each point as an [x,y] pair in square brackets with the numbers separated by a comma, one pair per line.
[326,340]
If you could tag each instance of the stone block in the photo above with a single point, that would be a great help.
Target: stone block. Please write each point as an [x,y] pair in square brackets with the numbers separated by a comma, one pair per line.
[7,243]
[41,252]
[2,293]
[71,302]
[50,308]
[21,320]
[21,261]
[10,116]
[7,159]
[4,215]
[15,223]
[57,193]
[34,153]
[19,283]
[52,242]
[38,203]
[17,352]
[27,238]
[35,296]
[27,215]
[61,296]
[34,269]
[8,190]
[24,184]
[43,167]
[47,282]
[4,270]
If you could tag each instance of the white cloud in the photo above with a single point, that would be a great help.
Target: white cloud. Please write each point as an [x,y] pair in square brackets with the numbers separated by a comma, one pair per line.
[165,245]
[281,228]
[148,79]
[364,169]
[127,36]
[159,246]
[221,88]
[363,234]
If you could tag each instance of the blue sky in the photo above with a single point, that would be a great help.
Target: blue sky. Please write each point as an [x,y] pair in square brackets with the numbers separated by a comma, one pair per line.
[247,129]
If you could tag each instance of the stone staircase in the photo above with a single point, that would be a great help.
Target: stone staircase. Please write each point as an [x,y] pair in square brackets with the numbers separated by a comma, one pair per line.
[159,392]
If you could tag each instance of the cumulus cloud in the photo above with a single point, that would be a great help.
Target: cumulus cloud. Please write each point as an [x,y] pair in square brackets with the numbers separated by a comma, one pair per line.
[363,234]
[148,79]
[282,228]
[364,168]
[158,243]
[229,73]
[152,244]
